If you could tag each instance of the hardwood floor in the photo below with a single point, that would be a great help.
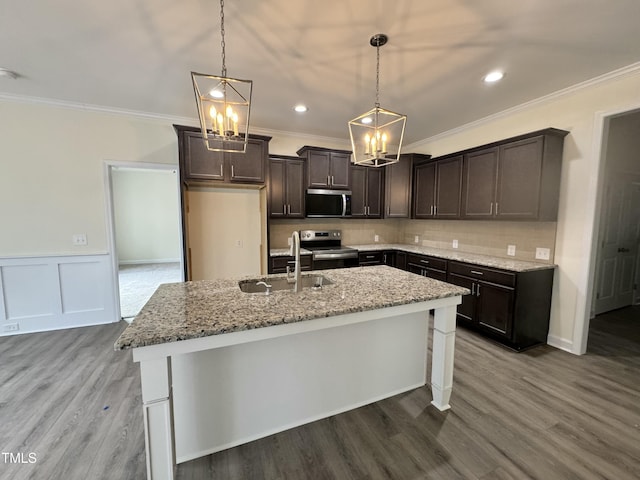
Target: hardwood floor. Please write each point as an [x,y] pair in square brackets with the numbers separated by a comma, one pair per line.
[540,414]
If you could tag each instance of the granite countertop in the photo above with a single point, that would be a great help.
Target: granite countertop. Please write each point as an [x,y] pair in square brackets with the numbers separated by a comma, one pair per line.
[481,260]
[476,259]
[285,252]
[182,311]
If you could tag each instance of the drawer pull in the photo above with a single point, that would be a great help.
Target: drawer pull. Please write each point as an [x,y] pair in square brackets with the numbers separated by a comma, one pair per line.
[476,272]
[371,256]
[473,289]
[424,261]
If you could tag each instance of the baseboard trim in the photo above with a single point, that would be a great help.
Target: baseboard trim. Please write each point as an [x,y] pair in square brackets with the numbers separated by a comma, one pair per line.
[154,260]
[560,343]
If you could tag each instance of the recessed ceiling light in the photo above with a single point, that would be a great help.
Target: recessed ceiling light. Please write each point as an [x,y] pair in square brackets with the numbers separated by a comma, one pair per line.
[367,120]
[493,76]
[300,108]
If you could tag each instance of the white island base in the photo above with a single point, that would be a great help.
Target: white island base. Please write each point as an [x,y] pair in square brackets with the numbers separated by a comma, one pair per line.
[207,394]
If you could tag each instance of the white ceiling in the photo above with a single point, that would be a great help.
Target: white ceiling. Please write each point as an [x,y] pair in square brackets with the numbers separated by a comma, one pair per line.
[138,54]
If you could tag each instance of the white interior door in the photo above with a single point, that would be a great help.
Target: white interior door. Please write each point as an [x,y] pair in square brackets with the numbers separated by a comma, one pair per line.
[618,253]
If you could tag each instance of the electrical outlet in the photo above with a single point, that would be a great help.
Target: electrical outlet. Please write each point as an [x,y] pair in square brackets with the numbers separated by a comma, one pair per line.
[79,239]
[11,327]
[376,238]
[543,253]
[511,250]
[416,239]
[455,244]
[239,243]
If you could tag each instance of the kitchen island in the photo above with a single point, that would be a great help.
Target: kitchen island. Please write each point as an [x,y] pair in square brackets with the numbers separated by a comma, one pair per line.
[220,367]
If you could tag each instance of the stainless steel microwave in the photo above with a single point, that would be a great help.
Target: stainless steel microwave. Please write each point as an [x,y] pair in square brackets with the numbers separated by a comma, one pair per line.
[327,203]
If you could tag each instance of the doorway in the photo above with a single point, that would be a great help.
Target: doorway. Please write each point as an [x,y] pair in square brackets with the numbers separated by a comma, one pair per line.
[145,231]
[617,247]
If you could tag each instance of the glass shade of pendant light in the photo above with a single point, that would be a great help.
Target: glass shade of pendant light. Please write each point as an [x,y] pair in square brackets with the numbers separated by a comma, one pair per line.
[224,105]
[376,135]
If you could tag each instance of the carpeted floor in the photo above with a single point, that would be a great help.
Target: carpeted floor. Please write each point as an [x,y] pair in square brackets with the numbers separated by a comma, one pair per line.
[138,282]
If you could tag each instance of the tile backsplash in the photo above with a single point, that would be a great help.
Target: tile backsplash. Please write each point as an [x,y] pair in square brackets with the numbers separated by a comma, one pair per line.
[482,237]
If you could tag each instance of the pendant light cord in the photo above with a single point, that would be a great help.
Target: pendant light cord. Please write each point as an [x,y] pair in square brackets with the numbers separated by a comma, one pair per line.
[222,44]
[378,75]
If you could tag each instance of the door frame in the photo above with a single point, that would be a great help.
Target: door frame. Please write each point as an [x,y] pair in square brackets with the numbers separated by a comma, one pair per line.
[108,167]
[591,235]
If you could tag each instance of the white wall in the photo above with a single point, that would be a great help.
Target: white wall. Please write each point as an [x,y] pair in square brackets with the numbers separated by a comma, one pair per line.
[146,215]
[52,182]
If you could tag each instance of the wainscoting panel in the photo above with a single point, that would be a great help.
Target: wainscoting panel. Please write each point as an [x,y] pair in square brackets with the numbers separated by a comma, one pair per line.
[54,292]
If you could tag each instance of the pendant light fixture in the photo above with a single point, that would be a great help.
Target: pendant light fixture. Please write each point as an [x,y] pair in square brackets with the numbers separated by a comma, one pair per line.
[224,104]
[376,136]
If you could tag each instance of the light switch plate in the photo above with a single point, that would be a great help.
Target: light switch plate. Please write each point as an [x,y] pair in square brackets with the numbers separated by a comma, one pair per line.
[543,253]
[455,244]
[511,250]
[376,238]
[416,239]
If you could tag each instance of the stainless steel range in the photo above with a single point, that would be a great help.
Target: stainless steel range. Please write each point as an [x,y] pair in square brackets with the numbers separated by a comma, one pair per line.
[327,249]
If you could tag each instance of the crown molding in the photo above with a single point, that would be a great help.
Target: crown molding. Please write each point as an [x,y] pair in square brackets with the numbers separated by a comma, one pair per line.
[188,121]
[629,70]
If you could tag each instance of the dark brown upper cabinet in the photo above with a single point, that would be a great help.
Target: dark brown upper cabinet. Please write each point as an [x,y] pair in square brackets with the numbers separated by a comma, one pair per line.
[286,187]
[199,164]
[327,168]
[399,185]
[515,179]
[438,187]
[366,191]
[479,180]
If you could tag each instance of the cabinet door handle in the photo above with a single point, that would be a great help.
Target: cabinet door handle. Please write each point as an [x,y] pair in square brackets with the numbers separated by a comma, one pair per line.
[284,208]
[473,289]
[232,172]
[435,210]
[478,291]
[328,180]
[221,172]
[388,210]
[477,272]
[491,209]
[431,211]
[496,208]
[331,179]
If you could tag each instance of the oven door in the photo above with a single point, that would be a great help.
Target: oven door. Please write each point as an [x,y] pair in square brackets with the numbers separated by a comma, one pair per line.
[327,260]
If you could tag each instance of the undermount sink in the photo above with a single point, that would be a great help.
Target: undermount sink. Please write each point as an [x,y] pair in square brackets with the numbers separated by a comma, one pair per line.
[315,282]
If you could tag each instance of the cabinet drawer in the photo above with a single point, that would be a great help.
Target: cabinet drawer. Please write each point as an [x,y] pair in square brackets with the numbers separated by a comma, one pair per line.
[427,262]
[482,273]
[370,258]
[279,264]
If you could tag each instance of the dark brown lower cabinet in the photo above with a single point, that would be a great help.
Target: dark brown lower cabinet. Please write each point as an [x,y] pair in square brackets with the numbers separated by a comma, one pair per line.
[427,266]
[280,264]
[510,307]
[370,258]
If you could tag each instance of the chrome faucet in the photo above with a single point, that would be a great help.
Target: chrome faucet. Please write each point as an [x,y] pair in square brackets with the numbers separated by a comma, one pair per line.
[295,251]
